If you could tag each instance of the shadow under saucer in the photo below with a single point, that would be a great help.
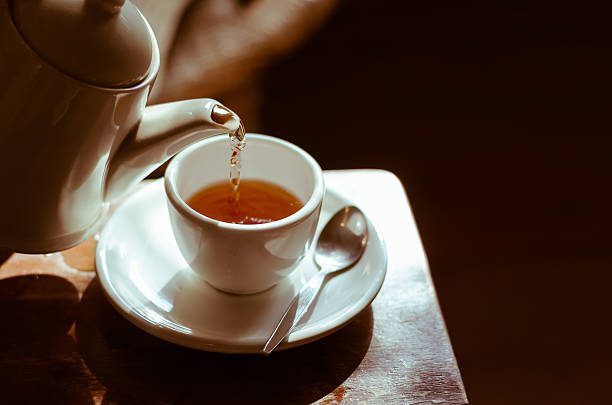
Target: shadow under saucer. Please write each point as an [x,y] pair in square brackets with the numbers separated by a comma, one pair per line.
[136,367]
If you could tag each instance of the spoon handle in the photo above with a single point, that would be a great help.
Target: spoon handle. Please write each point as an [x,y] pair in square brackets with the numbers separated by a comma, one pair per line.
[298,307]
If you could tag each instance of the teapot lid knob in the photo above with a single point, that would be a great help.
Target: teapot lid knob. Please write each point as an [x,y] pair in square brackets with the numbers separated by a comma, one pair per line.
[106,43]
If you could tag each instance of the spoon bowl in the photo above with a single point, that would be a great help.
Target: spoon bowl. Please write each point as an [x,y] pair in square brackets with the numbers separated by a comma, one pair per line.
[342,241]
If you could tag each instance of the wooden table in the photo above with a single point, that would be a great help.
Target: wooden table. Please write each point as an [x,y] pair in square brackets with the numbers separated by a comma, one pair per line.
[62,342]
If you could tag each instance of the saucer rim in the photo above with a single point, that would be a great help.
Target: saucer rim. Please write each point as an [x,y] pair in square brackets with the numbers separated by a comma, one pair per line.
[315,331]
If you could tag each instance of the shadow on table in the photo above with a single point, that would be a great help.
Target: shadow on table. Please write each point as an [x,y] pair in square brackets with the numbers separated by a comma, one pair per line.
[36,352]
[136,367]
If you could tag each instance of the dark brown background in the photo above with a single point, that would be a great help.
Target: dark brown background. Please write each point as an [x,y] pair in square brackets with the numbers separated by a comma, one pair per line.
[496,118]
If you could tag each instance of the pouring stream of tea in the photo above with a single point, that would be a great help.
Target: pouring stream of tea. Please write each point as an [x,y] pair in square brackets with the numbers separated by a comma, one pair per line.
[237,143]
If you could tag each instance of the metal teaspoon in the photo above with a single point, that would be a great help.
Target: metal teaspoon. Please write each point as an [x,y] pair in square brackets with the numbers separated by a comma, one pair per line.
[340,245]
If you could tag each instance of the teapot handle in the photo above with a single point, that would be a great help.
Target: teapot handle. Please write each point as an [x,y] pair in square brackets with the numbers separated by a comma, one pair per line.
[165,129]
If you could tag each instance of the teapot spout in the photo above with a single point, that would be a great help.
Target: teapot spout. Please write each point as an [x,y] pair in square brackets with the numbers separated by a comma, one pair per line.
[165,129]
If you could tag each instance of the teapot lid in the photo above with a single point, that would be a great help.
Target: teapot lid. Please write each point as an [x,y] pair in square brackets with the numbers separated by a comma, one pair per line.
[107,43]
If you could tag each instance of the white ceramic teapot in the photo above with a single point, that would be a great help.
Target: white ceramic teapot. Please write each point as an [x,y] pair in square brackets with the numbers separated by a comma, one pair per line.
[74,130]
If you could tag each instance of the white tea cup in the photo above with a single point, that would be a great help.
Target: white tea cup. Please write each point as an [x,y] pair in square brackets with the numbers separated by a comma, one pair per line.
[239,258]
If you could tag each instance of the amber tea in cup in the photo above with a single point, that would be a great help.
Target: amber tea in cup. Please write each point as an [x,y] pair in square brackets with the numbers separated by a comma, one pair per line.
[248,202]
[254,202]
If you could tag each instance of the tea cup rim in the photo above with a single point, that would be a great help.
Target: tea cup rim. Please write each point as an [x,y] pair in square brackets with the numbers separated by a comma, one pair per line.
[310,206]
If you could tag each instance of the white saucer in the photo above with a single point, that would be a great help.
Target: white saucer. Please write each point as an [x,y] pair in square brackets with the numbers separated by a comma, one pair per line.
[146,279]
